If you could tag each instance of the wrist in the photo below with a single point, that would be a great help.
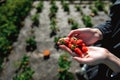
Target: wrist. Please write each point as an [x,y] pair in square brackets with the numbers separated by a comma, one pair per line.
[98,33]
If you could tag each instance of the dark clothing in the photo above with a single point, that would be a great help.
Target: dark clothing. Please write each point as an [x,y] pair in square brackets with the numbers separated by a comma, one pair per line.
[111,30]
[111,40]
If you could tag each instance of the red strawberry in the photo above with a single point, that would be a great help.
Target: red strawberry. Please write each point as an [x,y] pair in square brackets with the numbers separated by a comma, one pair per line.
[83,44]
[71,46]
[66,41]
[73,40]
[79,42]
[78,51]
[84,49]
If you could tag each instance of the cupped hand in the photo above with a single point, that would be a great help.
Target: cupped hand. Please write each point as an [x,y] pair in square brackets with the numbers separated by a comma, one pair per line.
[96,55]
[88,35]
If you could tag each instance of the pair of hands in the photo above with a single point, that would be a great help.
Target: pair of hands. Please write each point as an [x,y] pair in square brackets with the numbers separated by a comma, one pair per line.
[95,55]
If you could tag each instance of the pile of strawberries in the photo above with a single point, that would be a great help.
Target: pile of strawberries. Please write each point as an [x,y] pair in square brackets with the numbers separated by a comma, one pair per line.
[76,45]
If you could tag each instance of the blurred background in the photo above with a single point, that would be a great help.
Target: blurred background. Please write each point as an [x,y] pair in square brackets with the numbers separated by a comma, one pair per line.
[30,29]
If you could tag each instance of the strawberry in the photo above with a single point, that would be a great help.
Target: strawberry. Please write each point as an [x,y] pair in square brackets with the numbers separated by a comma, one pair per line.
[78,51]
[71,46]
[84,49]
[73,40]
[83,44]
[76,45]
[79,42]
[64,41]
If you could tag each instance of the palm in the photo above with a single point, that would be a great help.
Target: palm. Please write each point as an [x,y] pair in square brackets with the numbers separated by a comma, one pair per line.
[95,55]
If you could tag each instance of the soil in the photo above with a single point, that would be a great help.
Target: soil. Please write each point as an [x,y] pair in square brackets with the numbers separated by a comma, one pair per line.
[46,69]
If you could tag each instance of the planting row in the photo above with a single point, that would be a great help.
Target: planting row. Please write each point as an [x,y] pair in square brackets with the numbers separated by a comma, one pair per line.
[94,7]
[12,13]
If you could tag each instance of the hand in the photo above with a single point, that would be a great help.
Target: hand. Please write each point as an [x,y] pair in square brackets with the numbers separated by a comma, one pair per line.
[96,55]
[88,35]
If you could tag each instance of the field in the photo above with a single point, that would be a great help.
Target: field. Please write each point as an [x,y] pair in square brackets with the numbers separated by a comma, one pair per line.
[29,52]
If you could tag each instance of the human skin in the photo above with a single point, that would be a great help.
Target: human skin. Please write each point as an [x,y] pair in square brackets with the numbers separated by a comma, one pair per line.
[95,55]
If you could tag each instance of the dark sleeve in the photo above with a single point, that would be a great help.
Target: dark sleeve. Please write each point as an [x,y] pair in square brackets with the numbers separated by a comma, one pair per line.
[105,28]
[108,27]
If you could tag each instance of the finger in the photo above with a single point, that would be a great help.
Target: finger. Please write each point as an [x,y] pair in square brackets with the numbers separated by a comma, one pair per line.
[67,49]
[73,33]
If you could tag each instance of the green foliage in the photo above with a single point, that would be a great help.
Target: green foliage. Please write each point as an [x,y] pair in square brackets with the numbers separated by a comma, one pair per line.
[31,41]
[75,25]
[56,39]
[87,21]
[53,8]
[53,25]
[78,7]
[24,72]
[64,64]
[8,30]
[95,11]
[40,6]
[70,21]
[54,28]
[66,7]
[15,10]
[4,46]
[35,19]
[11,14]
[99,5]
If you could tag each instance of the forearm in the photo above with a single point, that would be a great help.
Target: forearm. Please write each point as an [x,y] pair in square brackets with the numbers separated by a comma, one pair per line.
[113,62]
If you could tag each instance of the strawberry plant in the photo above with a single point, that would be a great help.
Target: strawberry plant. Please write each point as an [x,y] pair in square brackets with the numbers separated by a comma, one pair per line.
[87,21]
[52,1]
[64,64]
[10,32]
[24,71]
[99,5]
[11,15]
[40,6]
[35,19]
[70,21]
[56,39]
[31,44]
[66,7]
[5,48]
[74,25]
[53,10]
[78,8]
[53,27]
[94,10]
[62,1]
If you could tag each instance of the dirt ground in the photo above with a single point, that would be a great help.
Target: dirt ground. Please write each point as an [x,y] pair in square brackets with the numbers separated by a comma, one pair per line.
[46,69]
